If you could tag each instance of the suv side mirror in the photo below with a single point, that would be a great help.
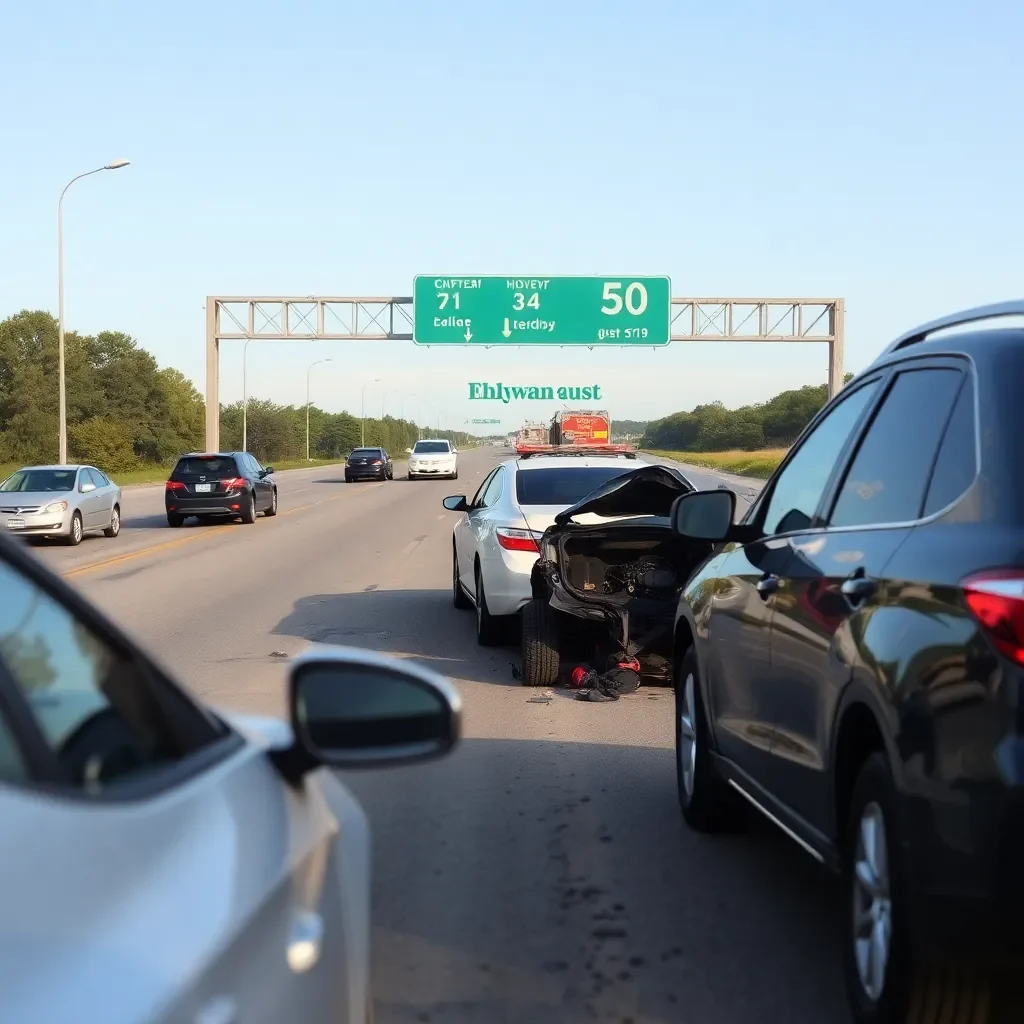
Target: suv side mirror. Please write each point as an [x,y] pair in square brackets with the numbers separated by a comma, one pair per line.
[456,503]
[267,470]
[704,515]
[352,708]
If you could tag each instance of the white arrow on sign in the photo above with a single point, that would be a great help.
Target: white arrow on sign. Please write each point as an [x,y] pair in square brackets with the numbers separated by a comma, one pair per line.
[506,332]
[468,334]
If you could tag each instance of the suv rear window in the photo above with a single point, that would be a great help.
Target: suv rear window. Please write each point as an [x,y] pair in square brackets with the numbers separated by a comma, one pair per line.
[206,465]
[564,485]
[365,453]
[432,448]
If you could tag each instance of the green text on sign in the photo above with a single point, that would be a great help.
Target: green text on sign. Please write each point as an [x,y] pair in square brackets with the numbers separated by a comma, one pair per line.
[542,310]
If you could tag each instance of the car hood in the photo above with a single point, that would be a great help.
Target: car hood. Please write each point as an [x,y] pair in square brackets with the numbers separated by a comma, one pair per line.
[647,491]
[30,499]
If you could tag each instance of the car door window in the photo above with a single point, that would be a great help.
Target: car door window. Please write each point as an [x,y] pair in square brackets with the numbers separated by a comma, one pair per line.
[477,501]
[94,707]
[83,480]
[957,463]
[799,487]
[888,476]
[493,492]
[96,478]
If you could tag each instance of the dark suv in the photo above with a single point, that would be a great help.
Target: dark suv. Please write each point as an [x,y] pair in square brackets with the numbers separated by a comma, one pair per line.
[368,464]
[221,484]
[850,662]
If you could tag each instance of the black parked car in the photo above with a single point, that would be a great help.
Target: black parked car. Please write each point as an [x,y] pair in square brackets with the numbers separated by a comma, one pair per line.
[850,662]
[614,586]
[221,484]
[369,464]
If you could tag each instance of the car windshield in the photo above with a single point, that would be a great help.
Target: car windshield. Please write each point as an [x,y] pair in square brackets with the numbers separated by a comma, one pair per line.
[40,480]
[206,465]
[365,453]
[564,485]
[431,448]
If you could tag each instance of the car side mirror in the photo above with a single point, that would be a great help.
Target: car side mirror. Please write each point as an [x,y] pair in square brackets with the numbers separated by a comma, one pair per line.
[86,488]
[456,503]
[408,451]
[704,515]
[352,708]
[267,470]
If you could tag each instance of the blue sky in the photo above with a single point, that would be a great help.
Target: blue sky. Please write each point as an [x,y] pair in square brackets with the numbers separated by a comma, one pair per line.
[869,151]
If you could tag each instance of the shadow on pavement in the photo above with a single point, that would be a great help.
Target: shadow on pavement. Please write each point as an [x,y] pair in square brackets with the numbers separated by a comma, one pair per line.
[420,624]
[544,882]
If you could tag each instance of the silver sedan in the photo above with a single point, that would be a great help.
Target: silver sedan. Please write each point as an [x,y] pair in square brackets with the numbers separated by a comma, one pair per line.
[60,501]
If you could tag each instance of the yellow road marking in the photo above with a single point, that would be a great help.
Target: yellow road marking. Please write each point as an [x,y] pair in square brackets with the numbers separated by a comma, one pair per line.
[200,534]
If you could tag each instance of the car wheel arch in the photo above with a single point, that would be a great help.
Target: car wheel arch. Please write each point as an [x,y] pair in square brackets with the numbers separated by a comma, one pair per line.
[858,732]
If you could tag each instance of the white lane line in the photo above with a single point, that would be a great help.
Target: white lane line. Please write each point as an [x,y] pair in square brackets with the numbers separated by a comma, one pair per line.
[441,516]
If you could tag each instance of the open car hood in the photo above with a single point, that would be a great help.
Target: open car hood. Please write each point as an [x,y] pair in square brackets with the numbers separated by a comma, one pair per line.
[647,491]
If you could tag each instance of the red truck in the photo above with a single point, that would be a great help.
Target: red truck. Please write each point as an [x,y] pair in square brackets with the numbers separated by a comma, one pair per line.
[582,427]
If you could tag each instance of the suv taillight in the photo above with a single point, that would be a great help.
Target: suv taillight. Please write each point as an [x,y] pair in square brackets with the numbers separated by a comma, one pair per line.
[517,540]
[234,484]
[174,485]
[996,599]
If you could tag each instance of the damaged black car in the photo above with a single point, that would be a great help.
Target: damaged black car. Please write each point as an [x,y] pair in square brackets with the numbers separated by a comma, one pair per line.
[610,587]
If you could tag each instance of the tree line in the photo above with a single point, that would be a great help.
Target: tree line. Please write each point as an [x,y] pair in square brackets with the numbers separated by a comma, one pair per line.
[125,412]
[714,428]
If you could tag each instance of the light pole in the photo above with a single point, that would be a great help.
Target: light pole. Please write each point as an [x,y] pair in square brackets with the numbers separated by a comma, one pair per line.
[393,391]
[362,412]
[245,403]
[62,416]
[404,397]
[310,367]
[423,402]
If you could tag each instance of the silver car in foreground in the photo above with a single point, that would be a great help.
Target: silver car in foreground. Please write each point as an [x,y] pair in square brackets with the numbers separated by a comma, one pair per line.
[60,501]
[165,863]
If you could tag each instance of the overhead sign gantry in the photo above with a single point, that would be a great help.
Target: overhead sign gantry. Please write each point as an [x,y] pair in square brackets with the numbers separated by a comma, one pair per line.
[562,311]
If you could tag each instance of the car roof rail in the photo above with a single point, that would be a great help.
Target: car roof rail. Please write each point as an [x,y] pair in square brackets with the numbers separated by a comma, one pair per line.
[1015,307]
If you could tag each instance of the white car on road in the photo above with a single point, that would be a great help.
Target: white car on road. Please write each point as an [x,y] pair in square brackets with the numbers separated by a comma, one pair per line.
[435,457]
[162,863]
[494,543]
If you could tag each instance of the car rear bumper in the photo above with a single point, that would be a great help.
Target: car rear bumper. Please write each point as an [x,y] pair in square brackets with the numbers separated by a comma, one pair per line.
[207,505]
[365,473]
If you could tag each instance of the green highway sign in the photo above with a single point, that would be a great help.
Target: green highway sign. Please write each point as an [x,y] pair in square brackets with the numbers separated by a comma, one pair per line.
[607,310]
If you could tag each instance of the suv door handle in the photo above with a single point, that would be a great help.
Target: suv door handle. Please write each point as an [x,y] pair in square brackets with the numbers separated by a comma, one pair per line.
[767,585]
[858,588]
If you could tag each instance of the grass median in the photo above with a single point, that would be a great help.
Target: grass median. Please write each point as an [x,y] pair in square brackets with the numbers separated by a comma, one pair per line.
[159,474]
[760,464]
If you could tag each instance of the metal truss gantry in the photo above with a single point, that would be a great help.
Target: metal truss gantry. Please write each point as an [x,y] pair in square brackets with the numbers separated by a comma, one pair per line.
[327,318]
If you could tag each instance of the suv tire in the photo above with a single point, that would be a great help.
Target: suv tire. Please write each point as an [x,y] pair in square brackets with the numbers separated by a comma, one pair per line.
[540,645]
[707,802]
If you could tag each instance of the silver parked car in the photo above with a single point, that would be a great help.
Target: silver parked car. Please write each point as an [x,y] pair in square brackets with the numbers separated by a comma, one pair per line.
[60,501]
[163,863]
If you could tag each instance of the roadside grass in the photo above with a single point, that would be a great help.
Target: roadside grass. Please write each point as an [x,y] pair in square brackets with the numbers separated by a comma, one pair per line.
[154,474]
[760,464]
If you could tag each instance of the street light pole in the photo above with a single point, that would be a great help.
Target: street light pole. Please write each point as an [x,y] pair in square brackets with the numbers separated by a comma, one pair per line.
[404,397]
[362,412]
[62,415]
[245,402]
[310,367]
[393,391]
[423,402]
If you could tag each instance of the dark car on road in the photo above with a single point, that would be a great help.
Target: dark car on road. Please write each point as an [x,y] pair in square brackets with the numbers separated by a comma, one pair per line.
[850,662]
[221,484]
[368,464]
[611,585]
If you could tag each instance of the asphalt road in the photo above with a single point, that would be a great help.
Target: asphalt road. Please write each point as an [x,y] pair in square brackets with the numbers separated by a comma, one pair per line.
[540,874]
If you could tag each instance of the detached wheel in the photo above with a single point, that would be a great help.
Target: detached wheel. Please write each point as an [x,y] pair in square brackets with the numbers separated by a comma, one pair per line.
[707,803]
[248,512]
[488,628]
[459,598]
[74,538]
[540,645]
[173,519]
[272,511]
[115,523]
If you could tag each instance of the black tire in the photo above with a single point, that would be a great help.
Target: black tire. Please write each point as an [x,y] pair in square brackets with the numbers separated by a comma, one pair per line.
[455,475]
[409,476]
[74,538]
[115,523]
[348,479]
[459,598]
[707,802]
[541,660]
[248,512]
[173,519]
[488,628]
[272,511]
